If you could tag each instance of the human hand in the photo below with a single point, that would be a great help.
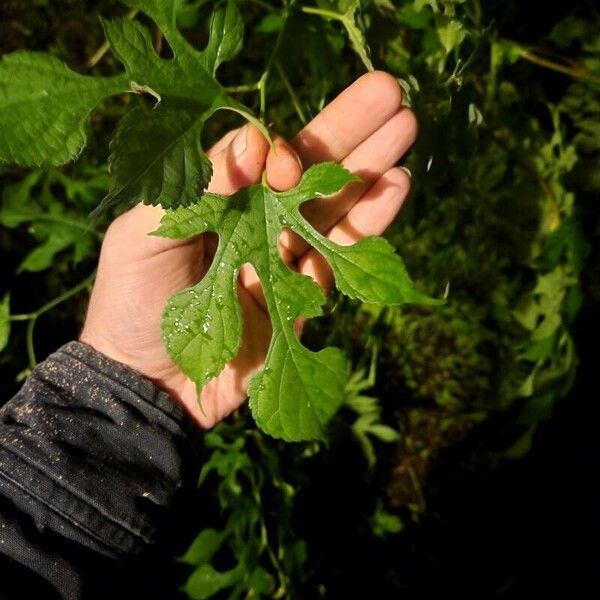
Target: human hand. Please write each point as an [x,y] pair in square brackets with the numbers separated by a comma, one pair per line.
[365,128]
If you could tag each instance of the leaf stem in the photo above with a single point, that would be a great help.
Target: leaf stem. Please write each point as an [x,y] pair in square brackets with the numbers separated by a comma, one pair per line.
[291,92]
[95,58]
[29,342]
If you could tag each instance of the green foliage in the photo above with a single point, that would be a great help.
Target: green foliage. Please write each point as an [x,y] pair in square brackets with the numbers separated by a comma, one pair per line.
[368,424]
[385,523]
[263,558]
[60,239]
[56,223]
[349,14]
[35,89]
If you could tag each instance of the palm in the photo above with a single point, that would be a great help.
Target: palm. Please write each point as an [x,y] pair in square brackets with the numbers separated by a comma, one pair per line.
[365,128]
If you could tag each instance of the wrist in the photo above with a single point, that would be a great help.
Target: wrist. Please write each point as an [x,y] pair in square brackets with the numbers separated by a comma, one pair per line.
[166,378]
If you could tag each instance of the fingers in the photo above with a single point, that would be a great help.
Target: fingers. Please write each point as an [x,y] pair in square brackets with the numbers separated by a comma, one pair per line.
[283,166]
[370,160]
[352,117]
[238,160]
[371,215]
[368,130]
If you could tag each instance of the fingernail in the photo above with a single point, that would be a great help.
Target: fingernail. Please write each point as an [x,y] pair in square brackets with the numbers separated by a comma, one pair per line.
[281,144]
[407,171]
[240,141]
[299,161]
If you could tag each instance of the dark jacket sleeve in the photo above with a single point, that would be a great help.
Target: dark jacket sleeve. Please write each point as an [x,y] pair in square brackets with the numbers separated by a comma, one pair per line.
[92,459]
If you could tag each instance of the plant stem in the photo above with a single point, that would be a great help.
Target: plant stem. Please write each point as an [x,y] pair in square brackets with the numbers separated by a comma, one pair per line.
[70,222]
[291,92]
[322,12]
[95,58]
[577,72]
[33,317]
[261,85]
[240,89]
[262,82]
[29,342]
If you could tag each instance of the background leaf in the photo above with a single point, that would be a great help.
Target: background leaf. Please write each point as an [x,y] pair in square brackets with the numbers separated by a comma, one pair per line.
[44,107]
[4,321]
[226,35]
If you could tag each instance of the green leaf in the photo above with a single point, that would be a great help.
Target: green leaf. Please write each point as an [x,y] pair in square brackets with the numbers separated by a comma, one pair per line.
[261,582]
[42,257]
[298,391]
[164,14]
[156,153]
[15,209]
[349,14]
[451,35]
[206,581]
[4,321]
[384,433]
[204,547]
[385,523]
[226,35]
[353,22]
[156,156]
[44,106]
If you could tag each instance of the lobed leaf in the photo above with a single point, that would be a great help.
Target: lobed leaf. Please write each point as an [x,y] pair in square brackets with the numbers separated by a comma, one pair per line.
[298,390]
[156,154]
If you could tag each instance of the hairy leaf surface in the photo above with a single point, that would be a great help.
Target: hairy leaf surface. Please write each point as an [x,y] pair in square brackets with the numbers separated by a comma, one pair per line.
[44,106]
[298,390]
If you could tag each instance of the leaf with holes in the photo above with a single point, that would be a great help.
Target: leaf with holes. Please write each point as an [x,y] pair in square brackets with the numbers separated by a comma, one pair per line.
[298,391]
